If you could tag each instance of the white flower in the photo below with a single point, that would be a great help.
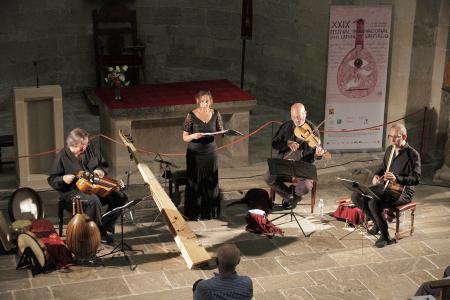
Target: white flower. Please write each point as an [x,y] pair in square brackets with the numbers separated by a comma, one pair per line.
[125,68]
[117,69]
[110,69]
[122,77]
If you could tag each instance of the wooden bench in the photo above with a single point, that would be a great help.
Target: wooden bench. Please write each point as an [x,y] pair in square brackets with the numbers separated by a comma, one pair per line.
[6,141]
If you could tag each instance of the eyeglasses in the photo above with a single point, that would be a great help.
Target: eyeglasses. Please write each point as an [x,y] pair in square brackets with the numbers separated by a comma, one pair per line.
[394,136]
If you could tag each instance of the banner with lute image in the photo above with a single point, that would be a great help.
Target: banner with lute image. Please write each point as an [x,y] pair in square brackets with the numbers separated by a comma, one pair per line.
[358,55]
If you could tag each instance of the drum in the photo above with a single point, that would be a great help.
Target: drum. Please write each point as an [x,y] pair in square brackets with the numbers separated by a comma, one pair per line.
[5,234]
[29,240]
[25,204]
[20,226]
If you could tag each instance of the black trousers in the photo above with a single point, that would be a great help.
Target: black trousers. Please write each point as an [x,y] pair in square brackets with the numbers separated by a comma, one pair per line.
[93,207]
[425,289]
[374,208]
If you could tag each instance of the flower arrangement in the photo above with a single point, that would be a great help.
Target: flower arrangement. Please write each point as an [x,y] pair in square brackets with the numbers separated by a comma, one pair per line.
[116,76]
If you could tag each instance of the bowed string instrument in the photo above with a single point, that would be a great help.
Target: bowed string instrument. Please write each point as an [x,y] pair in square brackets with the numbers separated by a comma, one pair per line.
[307,135]
[90,183]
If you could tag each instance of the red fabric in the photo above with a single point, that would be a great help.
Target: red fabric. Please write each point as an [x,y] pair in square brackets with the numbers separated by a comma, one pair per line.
[257,223]
[58,253]
[351,214]
[406,206]
[168,94]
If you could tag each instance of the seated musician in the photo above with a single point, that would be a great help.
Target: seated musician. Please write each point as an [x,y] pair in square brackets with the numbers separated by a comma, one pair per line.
[402,169]
[291,147]
[80,155]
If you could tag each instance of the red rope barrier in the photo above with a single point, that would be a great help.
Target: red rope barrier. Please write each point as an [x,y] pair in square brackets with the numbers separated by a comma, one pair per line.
[221,147]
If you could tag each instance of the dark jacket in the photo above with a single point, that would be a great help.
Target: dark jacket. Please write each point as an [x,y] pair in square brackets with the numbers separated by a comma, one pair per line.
[67,163]
[406,168]
[286,133]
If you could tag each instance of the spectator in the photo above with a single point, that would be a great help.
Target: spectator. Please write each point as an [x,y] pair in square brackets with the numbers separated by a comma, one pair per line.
[425,289]
[227,284]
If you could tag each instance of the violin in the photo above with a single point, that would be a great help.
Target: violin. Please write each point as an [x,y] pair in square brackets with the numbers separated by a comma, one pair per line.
[307,135]
[90,183]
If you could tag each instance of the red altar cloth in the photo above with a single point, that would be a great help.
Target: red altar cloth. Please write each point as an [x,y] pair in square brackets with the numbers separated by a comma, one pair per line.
[166,94]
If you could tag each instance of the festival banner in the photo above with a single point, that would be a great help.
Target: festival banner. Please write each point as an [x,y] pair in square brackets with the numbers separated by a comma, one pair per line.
[358,53]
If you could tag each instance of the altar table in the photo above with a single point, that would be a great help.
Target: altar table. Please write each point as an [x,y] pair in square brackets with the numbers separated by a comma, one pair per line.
[154,114]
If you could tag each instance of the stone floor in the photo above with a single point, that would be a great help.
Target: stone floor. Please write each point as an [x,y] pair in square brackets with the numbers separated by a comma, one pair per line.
[321,266]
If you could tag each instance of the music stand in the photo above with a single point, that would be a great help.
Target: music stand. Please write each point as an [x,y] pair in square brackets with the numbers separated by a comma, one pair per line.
[122,246]
[357,187]
[289,169]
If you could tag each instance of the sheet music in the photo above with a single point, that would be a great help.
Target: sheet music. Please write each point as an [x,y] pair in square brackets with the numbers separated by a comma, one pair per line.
[229,132]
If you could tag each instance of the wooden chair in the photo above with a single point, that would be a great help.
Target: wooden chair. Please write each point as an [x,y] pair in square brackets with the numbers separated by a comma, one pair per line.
[295,182]
[116,42]
[397,212]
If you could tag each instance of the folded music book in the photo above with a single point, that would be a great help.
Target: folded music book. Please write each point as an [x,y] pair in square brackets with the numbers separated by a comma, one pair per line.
[229,132]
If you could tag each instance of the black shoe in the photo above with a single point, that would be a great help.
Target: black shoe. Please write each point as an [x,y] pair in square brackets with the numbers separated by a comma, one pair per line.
[374,230]
[287,202]
[384,241]
[107,239]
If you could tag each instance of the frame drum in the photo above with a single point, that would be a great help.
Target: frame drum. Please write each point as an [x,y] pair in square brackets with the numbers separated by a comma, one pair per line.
[29,239]
[25,204]
[5,234]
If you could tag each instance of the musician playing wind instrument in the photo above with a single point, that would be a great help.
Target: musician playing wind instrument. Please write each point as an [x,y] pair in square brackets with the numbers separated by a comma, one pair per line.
[79,155]
[394,183]
[289,146]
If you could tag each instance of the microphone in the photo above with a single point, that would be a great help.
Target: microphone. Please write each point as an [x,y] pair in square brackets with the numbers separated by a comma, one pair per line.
[36,71]
[162,161]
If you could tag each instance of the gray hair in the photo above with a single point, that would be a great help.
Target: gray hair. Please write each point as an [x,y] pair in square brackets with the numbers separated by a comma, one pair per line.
[76,136]
[400,127]
[228,256]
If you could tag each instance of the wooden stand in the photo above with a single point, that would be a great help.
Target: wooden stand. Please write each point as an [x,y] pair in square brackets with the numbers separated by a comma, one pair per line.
[39,128]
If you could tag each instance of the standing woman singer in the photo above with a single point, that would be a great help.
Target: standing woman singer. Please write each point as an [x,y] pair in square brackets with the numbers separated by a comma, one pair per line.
[202,200]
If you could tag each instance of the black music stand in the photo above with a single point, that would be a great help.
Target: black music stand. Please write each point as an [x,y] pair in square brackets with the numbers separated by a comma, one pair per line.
[357,187]
[289,169]
[122,246]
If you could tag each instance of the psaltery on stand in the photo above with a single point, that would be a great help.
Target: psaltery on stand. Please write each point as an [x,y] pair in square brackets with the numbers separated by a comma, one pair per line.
[192,251]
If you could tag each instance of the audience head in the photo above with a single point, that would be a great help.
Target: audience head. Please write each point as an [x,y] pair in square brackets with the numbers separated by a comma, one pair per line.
[228,257]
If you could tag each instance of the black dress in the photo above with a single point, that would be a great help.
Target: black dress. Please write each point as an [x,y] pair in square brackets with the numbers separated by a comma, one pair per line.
[202,191]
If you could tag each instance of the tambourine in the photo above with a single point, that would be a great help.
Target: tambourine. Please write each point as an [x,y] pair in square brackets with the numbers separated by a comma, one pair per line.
[30,240]
[25,204]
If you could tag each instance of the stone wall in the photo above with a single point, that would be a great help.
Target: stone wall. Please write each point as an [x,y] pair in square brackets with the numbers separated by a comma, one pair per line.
[186,40]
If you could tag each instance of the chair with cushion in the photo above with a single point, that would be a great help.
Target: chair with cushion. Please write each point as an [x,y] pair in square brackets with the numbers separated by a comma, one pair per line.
[116,42]
[397,212]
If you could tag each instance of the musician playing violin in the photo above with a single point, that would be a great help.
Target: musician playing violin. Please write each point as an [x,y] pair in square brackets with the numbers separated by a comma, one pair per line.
[79,155]
[289,146]
[394,183]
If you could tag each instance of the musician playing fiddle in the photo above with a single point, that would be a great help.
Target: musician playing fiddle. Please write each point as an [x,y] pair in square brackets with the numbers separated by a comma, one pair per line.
[79,155]
[289,146]
[394,183]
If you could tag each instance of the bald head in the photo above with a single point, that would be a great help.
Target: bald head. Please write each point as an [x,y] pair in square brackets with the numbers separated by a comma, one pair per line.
[298,114]
[228,256]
